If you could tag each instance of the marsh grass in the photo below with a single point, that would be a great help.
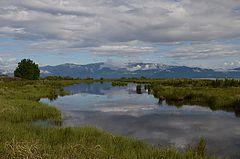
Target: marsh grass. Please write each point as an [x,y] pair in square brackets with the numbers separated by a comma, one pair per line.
[119,83]
[219,94]
[227,99]
[20,138]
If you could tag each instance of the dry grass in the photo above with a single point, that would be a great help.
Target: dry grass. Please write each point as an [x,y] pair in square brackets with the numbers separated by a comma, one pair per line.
[23,149]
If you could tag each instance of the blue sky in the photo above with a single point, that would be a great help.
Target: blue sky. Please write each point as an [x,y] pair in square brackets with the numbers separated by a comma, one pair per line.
[185,32]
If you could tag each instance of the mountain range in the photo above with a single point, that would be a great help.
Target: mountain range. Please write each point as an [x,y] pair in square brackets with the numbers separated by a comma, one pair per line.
[150,70]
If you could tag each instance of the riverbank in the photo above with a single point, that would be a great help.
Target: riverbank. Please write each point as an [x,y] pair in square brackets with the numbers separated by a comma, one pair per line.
[19,138]
[216,94]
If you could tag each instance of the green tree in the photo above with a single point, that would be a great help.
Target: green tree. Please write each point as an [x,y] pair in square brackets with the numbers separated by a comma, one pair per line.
[27,69]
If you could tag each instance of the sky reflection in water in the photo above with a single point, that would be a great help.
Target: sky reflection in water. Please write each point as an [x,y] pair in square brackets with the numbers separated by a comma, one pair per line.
[122,111]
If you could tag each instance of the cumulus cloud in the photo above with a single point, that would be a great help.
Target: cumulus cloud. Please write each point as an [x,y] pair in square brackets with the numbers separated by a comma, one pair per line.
[115,64]
[106,21]
[107,27]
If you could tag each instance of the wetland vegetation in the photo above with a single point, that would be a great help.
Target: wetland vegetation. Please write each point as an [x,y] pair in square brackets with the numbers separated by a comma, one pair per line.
[20,138]
[217,94]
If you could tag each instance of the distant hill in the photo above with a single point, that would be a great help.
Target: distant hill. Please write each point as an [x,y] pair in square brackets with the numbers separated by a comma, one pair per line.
[150,70]
[236,69]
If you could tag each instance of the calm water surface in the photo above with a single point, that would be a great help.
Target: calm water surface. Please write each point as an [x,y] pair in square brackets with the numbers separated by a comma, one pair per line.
[121,110]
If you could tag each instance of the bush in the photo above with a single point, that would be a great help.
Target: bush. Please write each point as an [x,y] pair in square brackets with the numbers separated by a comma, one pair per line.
[27,69]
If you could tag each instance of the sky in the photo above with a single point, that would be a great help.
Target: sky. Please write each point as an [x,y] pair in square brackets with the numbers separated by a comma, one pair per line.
[201,33]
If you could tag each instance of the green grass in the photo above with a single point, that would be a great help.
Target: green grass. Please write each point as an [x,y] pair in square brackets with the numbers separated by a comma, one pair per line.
[119,83]
[215,94]
[227,99]
[20,138]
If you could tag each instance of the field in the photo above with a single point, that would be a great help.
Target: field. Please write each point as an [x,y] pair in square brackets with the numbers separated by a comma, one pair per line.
[21,138]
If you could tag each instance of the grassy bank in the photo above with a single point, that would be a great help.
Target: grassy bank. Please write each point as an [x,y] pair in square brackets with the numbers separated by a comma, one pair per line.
[19,138]
[226,99]
[216,94]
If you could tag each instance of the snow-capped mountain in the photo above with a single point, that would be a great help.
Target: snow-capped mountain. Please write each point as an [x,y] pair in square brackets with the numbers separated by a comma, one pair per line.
[145,66]
[151,70]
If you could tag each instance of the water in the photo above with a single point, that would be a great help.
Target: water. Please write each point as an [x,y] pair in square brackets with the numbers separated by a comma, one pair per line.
[121,110]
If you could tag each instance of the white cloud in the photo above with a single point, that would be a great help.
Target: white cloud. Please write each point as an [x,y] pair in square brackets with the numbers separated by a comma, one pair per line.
[123,50]
[232,64]
[103,22]
[205,50]
[11,31]
[7,65]
[108,27]
[115,64]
